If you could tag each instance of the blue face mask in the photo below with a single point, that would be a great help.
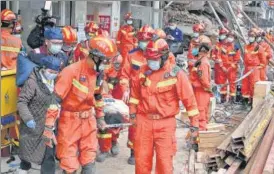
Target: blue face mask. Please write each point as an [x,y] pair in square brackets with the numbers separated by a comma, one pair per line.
[143,45]
[195,51]
[50,76]
[153,64]
[222,37]
[195,35]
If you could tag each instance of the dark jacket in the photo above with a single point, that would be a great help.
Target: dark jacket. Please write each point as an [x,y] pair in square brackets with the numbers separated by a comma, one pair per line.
[177,34]
[33,102]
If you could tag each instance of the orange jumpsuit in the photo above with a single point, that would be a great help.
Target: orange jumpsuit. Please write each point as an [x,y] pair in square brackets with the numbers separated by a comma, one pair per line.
[81,51]
[155,97]
[191,58]
[126,40]
[268,54]
[254,57]
[10,47]
[76,86]
[200,81]
[112,77]
[219,74]
[129,72]
[230,57]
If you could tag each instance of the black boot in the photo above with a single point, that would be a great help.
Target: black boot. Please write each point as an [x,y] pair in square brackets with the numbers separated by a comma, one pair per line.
[223,98]
[245,102]
[89,168]
[131,159]
[232,100]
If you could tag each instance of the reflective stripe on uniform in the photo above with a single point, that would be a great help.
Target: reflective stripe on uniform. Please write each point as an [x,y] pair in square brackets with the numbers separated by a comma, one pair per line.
[11,49]
[118,42]
[123,31]
[246,96]
[104,135]
[124,81]
[110,86]
[84,50]
[147,82]
[167,82]
[254,52]
[135,62]
[79,86]
[130,143]
[193,112]
[53,107]
[99,104]
[133,101]
[233,94]
[141,75]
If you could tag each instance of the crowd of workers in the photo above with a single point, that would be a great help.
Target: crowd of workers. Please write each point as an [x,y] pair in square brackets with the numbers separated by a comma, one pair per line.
[70,81]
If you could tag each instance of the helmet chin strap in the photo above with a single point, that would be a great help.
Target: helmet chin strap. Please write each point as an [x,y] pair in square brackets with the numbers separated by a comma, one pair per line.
[97,63]
[163,59]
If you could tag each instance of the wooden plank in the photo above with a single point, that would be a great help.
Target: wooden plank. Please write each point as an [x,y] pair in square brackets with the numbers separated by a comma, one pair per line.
[191,162]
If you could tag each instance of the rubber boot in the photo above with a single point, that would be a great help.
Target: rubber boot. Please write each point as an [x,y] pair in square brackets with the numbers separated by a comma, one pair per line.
[131,159]
[101,157]
[232,100]
[223,98]
[115,148]
[90,168]
[245,103]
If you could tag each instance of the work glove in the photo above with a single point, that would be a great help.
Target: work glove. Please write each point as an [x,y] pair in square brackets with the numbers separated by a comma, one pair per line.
[224,69]
[101,124]
[31,124]
[126,96]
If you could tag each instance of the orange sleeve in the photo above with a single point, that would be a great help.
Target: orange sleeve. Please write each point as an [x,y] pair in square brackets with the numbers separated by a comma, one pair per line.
[135,96]
[63,83]
[204,75]
[262,56]
[119,38]
[237,56]
[77,52]
[125,73]
[269,52]
[186,94]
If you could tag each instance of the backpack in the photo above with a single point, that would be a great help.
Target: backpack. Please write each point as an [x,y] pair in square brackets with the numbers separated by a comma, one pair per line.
[24,68]
[35,38]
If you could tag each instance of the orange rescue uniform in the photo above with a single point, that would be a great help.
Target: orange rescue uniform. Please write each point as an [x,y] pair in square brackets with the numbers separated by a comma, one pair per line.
[10,47]
[254,58]
[126,40]
[77,129]
[216,56]
[155,97]
[200,80]
[268,54]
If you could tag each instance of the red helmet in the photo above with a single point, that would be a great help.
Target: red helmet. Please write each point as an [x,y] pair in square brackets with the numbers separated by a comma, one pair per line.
[128,16]
[198,28]
[156,49]
[145,33]
[160,33]
[91,27]
[103,32]
[223,31]
[103,47]
[69,35]
[7,16]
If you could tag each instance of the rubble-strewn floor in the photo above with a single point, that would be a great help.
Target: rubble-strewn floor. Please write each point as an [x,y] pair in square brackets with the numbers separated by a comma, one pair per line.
[118,165]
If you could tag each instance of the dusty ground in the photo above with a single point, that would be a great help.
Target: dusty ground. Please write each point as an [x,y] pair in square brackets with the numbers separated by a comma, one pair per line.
[118,165]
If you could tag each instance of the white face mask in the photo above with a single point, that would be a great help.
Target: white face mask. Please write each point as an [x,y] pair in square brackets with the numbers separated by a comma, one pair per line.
[172,27]
[195,35]
[143,45]
[55,48]
[222,37]
[153,64]
[230,39]
[129,22]
[259,39]
[50,76]
[17,35]
[251,39]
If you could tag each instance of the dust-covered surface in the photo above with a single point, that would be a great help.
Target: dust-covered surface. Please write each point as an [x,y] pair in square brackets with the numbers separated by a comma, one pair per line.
[118,164]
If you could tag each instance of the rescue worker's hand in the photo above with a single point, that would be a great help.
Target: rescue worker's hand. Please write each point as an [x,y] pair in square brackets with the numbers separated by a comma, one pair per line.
[233,66]
[101,124]
[126,96]
[31,124]
[194,69]
[170,37]
[217,61]
[132,119]
[260,66]
[224,69]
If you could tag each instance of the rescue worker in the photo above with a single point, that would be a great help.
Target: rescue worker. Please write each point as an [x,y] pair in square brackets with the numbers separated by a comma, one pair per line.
[82,49]
[70,40]
[254,60]
[103,32]
[78,90]
[129,73]
[33,103]
[10,44]
[52,47]
[126,37]
[219,53]
[200,80]
[154,102]
[193,49]
[268,53]
[174,37]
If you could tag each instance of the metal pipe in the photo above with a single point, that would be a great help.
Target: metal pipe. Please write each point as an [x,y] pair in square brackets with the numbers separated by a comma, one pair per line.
[216,15]
[264,149]
[168,4]
[235,19]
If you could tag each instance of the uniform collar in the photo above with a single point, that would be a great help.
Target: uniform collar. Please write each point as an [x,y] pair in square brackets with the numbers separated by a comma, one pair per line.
[86,68]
